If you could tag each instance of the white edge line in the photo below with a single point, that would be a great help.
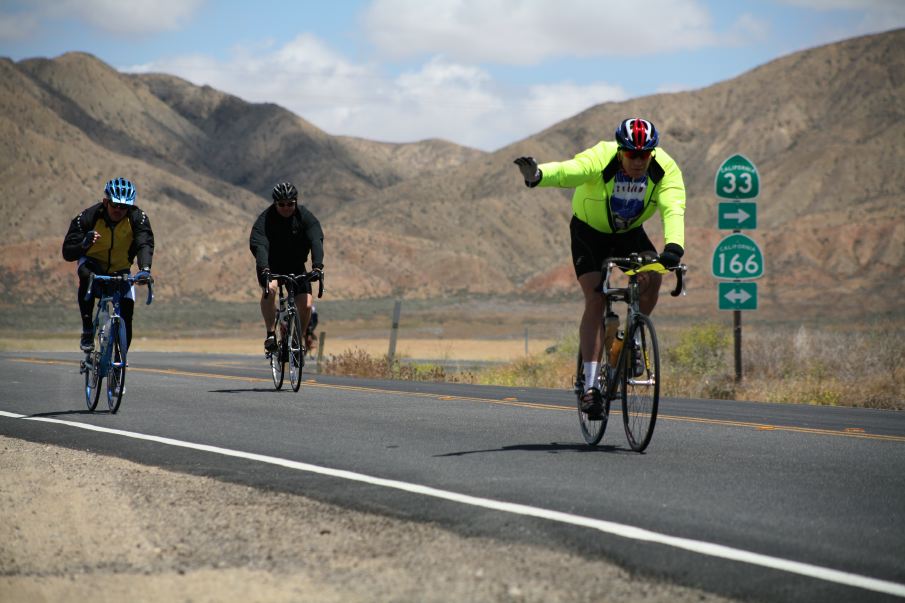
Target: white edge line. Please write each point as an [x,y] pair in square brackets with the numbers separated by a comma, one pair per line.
[609,527]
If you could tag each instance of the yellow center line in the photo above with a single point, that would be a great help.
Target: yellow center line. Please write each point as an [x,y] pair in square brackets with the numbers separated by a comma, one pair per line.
[849,432]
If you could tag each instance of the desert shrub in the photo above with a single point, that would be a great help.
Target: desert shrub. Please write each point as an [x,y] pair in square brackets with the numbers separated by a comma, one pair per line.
[358,363]
[701,349]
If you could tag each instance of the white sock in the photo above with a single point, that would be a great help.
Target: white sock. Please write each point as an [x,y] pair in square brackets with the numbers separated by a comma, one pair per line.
[590,374]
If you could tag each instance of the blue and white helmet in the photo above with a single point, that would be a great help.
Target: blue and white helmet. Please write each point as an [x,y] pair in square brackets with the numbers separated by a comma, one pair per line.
[120,190]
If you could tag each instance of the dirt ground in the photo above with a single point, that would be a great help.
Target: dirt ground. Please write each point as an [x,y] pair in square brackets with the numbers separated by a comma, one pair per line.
[77,526]
[422,348]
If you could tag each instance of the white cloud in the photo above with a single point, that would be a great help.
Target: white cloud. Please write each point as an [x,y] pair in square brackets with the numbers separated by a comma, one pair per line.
[17,27]
[441,98]
[524,32]
[113,16]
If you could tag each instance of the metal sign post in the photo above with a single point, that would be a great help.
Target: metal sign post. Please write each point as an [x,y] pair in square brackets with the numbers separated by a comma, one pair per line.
[737,256]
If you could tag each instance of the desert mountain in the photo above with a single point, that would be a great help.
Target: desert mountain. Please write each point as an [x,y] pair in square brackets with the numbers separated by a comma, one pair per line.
[824,126]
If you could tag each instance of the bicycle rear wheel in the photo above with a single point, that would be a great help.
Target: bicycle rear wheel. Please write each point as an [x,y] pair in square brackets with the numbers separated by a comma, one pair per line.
[116,374]
[641,383]
[296,351]
[591,430]
[277,357]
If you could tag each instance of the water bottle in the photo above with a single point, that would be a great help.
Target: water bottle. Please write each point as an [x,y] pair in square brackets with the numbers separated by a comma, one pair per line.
[610,325]
[616,347]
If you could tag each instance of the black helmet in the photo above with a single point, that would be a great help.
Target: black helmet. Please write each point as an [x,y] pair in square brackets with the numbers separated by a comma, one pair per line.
[285,191]
[636,134]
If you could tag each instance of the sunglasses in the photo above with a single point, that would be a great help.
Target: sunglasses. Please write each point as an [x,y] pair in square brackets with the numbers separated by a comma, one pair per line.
[119,206]
[637,154]
[284,203]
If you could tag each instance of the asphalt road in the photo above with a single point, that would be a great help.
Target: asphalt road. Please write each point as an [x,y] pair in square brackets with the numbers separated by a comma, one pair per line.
[751,500]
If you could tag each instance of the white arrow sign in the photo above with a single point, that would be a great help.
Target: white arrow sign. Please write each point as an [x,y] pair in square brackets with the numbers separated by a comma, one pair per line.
[741,215]
[736,296]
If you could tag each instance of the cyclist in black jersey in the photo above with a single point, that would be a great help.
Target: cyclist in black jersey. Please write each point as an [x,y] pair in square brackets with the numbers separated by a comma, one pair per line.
[105,239]
[281,239]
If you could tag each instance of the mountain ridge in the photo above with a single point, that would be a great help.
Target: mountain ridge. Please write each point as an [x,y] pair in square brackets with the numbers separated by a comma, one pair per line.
[432,218]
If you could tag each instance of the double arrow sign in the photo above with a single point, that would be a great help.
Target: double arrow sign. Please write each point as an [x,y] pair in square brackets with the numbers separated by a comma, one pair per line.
[738,296]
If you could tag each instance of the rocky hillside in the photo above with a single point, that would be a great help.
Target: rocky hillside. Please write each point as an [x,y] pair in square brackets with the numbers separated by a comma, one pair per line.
[824,126]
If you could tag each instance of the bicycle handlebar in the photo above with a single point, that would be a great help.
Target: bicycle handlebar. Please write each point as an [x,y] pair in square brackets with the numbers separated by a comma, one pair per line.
[306,277]
[636,263]
[122,278]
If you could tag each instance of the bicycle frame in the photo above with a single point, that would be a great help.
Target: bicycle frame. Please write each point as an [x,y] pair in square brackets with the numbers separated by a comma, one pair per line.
[109,330]
[633,374]
[634,266]
[288,328]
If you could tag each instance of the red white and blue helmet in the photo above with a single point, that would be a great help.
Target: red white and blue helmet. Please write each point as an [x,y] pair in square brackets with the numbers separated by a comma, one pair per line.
[636,134]
[120,190]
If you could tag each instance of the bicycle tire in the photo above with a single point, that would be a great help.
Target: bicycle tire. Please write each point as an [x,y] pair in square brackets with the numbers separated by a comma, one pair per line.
[592,431]
[296,351]
[92,382]
[116,374]
[640,393]
[277,357]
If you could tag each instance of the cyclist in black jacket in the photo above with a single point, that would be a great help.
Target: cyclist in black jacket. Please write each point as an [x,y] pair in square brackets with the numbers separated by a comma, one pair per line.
[281,239]
[105,239]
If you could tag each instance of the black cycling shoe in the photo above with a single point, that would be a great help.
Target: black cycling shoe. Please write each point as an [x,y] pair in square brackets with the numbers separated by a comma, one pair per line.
[270,344]
[87,341]
[592,404]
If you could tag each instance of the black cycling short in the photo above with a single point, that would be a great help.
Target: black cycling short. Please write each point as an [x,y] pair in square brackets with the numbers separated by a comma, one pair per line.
[591,247]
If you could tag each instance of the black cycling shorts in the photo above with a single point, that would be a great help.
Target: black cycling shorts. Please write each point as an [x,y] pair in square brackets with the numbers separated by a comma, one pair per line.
[591,247]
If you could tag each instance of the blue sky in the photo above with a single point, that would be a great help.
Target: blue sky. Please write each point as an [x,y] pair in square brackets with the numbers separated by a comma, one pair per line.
[483,73]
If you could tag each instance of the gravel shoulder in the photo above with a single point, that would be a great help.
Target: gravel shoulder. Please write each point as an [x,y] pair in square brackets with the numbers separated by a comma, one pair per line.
[78,526]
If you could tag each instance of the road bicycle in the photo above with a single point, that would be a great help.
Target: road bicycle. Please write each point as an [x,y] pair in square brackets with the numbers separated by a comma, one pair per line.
[630,363]
[289,336]
[107,358]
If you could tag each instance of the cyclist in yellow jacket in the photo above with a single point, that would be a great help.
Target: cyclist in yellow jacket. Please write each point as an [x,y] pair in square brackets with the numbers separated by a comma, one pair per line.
[618,185]
[105,239]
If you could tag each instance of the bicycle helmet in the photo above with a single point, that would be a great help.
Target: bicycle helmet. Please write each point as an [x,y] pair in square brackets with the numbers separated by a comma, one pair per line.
[285,191]
[120,190]
[636,134]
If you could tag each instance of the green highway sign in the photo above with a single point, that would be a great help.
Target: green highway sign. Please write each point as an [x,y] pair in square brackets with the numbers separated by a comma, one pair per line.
[737,178]
[738,296]
[737,215]
[738,257]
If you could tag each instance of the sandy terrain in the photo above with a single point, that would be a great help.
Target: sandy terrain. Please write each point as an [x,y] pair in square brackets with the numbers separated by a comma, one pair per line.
[438,349]
[81,527]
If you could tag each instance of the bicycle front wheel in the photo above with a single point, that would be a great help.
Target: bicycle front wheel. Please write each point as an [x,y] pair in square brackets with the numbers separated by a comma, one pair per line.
[641,383]
[92,381]
[296,351]
[591,430]
[116,374]
[277,357]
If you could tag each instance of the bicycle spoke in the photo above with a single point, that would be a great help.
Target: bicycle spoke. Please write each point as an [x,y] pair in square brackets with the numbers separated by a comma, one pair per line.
[294,341]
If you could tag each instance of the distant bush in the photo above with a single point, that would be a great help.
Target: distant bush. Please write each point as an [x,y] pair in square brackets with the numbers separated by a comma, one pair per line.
[860,367]
[358,363]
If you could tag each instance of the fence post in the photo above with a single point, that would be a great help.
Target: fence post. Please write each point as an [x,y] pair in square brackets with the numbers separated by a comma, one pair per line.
[320,351]
[397,309]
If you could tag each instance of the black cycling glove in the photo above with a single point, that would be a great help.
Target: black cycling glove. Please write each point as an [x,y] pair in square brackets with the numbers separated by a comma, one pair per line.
[672,254]
[530,171]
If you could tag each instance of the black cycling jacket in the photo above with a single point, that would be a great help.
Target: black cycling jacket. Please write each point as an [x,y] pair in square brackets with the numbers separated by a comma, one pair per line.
[283,244]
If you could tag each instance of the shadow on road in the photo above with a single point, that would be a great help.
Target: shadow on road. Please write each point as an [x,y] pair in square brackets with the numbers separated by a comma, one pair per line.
[552,448]
[242,390]
[60,413]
